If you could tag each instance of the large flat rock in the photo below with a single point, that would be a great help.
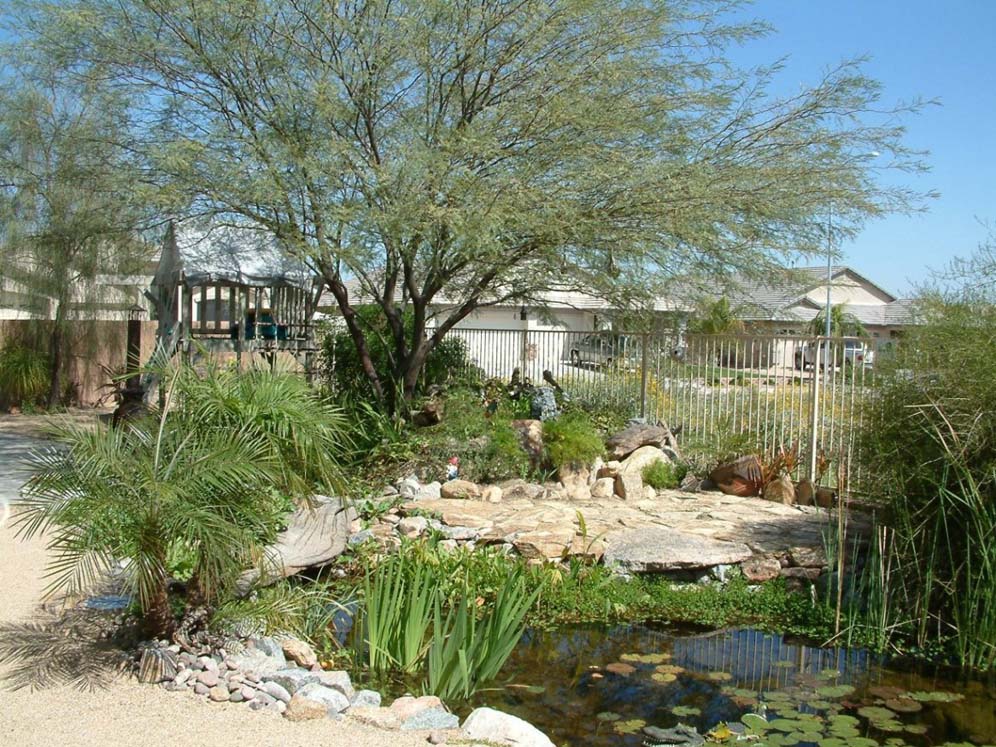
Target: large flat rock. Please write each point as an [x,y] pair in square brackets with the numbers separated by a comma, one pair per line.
[661,549]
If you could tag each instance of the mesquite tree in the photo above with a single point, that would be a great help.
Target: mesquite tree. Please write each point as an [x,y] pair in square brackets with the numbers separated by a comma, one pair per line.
[441,156]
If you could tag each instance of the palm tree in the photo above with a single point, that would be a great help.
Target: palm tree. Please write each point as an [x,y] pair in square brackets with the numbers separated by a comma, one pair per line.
[717,318]
[195,492]
[842,323]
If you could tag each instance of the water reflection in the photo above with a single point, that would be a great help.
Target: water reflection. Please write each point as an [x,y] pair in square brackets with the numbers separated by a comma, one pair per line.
[714,677]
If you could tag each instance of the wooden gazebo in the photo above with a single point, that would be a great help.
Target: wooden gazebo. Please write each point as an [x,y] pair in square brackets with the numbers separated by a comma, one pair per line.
[231,288]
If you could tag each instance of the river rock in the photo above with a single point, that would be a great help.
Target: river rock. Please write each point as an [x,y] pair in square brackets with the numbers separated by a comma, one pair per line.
[208,678]
[428,492]
[807,557]
[431,718]
[365,699]
[338,680]
[302,708]
[406,706]
[299,652]
[258,662]
[219,694]
[293,679]
[315,534]
[661,550]
[631,438]
[489,725]
[461,489]
[276,690]
[643,457]
[333,700]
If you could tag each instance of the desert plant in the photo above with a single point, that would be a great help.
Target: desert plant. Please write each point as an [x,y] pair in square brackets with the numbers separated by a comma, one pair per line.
[23,375]
[571,439]
[661,475]
[305,435]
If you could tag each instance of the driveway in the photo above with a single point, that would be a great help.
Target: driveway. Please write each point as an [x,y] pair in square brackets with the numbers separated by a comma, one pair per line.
[14,449]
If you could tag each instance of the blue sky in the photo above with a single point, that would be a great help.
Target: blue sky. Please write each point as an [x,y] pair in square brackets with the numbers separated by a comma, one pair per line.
[928,48]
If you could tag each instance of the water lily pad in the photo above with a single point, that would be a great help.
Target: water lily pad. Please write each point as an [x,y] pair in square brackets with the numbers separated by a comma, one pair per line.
[720,676]
[618,667]
[936,697]
[608,716]
[829,674]
[755,722]
[876,713]
[903,705]
[630,726]
[916,728]
[663,677]
[685,711]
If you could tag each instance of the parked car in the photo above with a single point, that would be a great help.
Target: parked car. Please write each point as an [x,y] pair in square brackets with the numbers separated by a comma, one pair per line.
[606,350]
[854,352]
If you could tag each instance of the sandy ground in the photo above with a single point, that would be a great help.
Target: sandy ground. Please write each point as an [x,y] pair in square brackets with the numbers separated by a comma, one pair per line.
[127,713]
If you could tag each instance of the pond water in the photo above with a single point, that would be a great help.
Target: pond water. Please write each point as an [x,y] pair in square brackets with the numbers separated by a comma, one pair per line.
[592,686]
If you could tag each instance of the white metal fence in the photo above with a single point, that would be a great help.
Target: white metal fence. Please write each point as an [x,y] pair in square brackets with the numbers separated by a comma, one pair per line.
[765,391]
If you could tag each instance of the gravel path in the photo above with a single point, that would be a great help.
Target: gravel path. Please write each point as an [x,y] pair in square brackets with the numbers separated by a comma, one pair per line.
[126,713]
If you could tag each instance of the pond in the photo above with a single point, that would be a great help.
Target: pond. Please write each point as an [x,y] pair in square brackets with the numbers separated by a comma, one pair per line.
[591,686]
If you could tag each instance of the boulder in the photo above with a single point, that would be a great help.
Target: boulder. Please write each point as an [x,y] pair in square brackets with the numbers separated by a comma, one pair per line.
[631,438]
[489,725]
[333,700]
[408,487]
[531,436]
[804,494]
[513,490]
[428,492]
[662,550]
[382,718]
[547,544]
[780,490]
[604,487]
[431,718]
[807,557]
[412,526]
[460,489]
[406,706]
[758,570]
[365,699]
[643,457]
[629,486]
[301,708]
[315,534]
[610,469]
[742,477]
[255,661]
[491,494]
[544,404]
[292,679]
[299,652]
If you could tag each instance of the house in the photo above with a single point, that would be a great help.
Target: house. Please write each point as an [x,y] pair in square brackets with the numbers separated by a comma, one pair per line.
[789,304]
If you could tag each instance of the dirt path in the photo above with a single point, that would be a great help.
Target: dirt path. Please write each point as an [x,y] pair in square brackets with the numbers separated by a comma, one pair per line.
[126,713]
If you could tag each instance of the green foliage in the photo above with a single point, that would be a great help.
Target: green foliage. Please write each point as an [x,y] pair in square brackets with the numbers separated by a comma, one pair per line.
[501,458]
[571,439]
[24,375]
[195,490]
[842,323]
[342,370]
[642,161]
[661,475]
[717,318]
[402,627]
[306,436]
[930,441]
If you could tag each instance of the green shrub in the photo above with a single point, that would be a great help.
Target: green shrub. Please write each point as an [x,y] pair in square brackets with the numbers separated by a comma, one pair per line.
[571,439]
[24,375]
[661,475]
[342,372]
[502,457]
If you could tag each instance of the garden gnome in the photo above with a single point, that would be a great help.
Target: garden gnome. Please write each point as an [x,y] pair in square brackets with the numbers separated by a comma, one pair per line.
[453,469]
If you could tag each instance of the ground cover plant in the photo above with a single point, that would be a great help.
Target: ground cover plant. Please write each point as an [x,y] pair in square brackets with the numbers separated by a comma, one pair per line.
[23,375]
[192,492]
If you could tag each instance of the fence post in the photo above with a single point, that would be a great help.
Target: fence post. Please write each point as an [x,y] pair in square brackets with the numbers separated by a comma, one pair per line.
[645,341]
[814,422]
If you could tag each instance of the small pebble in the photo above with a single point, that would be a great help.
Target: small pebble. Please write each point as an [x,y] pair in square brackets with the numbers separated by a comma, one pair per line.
[437,737]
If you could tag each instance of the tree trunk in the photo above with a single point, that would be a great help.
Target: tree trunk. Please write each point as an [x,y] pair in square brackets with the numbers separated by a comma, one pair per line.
[159,620]
[55,381]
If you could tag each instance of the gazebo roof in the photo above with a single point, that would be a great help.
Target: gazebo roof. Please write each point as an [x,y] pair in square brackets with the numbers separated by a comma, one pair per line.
[198,253]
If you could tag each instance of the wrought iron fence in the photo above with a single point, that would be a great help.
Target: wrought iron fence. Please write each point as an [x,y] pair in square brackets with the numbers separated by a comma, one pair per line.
[723,391]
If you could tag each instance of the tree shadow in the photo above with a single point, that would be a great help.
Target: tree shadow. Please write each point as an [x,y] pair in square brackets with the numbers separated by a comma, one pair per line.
[77,647]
